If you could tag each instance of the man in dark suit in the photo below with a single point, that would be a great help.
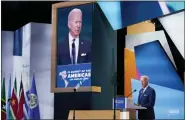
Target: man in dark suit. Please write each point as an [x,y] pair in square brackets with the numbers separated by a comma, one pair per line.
[74,49]
[146,99]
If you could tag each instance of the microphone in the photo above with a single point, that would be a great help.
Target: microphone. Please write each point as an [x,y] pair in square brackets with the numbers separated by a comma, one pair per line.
[80,83]
[131,93]
[75,88]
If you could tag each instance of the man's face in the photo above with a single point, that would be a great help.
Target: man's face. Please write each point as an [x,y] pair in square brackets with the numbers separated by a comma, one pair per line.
[75,23]
[144,82]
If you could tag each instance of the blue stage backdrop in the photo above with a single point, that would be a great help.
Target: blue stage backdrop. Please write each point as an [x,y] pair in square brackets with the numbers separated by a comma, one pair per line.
[126,13]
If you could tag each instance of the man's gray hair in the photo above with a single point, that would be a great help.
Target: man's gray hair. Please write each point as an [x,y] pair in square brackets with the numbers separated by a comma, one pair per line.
[73,10]
[146,77]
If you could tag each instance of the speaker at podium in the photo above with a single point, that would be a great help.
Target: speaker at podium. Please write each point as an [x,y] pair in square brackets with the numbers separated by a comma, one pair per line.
[124,109]
[127,108]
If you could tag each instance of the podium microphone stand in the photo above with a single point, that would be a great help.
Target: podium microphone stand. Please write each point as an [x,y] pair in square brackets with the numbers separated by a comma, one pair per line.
[74,105]
[114,83]
[114,102]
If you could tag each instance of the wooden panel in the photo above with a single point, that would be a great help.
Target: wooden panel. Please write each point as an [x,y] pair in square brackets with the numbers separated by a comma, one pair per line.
[94,114]
[69,4]
[81,89]
[53,49]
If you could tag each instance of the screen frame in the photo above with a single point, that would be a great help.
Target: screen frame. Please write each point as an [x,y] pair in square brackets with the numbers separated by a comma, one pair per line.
[54,89]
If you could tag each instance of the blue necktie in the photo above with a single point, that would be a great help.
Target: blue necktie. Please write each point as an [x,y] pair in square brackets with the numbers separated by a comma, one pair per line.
[73,52]
[141,93]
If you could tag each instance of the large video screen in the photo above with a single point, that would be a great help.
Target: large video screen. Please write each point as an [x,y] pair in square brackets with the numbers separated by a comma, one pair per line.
[151,60]
[74,40]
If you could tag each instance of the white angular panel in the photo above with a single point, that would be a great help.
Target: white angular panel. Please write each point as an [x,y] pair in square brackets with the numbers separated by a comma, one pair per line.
[7,56]
[26,55]
[17,71]
[174,25]
[36,55]
[40,61]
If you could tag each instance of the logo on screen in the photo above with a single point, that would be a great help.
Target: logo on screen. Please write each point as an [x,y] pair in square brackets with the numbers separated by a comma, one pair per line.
[63,74]
[76,74]
[119,101]
[173,112]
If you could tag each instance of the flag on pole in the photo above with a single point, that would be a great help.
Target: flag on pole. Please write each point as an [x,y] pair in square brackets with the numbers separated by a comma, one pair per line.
[3,100]
[20,113]
[34,102]
[26,104]
[14,101]
[8,112]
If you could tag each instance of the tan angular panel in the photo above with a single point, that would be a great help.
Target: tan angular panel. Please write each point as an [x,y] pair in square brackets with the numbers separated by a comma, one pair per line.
[142,27]
[130,70]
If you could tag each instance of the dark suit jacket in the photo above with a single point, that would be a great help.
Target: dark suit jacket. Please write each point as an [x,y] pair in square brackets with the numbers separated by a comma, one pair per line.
[63,52]
[147,99]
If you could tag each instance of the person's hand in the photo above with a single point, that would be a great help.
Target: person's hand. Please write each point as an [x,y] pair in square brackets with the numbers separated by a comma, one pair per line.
[139,105]
[136,104]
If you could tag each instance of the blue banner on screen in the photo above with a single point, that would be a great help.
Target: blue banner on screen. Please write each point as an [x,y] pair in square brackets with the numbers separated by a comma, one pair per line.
[74,75]
[120,103]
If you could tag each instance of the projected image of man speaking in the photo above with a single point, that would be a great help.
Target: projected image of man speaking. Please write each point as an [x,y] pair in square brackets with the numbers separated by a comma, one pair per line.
[74,49]
[74,38]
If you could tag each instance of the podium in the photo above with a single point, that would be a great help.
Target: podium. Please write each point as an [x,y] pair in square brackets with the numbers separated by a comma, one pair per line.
[128,112]
[131,108]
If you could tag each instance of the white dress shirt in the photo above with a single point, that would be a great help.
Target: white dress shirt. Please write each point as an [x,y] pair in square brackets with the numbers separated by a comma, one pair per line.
[145,88]
[76,46]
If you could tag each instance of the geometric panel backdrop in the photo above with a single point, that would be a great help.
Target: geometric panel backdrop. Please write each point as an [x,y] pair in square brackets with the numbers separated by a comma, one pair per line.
[137,39]
[151,60]
[174,26]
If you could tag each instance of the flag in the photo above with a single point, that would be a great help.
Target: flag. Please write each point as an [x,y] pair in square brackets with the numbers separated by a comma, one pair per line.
[8,112]
[14,101]
[26,106]
[34,103]
[3,100]
[20,113]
